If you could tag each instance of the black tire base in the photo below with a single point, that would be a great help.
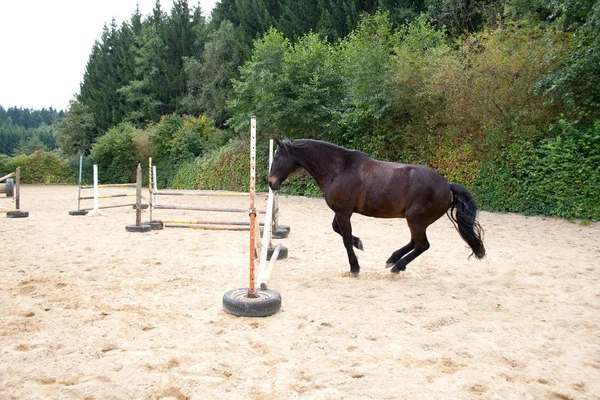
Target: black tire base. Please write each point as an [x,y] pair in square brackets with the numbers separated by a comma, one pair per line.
[138,228]
[266,303]
[78,212]
[281,232]
[17,214]
[156,225]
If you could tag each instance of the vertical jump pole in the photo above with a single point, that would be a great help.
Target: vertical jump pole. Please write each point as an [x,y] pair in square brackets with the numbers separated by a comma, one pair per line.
[277,231]
[138,195]
[150,188]
[252,289]
[96,209]
[250,302]
[79,211]
[138,227]
[18,189]
[155,185]
[17,213]
[79,191]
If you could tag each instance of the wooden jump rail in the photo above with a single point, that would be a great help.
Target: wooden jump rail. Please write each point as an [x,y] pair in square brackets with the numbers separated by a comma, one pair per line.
[12,189]
[279,232]
[97,209]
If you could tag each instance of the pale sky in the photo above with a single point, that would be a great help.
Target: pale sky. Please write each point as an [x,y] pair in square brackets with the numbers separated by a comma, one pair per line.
[45,45]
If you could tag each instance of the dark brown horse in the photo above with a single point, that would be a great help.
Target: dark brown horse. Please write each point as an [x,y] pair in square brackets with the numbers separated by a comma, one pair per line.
[353,182]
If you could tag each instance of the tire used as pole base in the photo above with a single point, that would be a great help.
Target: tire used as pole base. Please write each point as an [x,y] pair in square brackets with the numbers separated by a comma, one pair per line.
[266,303]
[78,212]
[281,232]
[17,214]
[156,225]
[9,188]
[138,228]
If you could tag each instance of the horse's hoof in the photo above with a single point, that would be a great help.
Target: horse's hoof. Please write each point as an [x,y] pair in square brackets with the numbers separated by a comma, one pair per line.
[359,245]
[389,265]
[397,270]
[353,274]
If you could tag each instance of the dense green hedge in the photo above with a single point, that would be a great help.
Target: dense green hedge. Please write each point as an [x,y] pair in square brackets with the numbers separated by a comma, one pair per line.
[558,177]
[39,167]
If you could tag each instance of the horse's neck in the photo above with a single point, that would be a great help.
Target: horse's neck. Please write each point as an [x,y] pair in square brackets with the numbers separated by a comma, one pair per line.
[323,168]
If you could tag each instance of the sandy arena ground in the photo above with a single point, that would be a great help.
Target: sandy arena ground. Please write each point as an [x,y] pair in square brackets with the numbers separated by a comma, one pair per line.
[90,311]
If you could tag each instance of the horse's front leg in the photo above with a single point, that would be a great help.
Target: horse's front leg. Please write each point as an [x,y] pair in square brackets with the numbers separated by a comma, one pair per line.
[356,242]
[345,227]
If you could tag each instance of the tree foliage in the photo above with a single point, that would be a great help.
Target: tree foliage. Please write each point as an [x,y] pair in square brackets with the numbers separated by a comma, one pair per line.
[26,130]
[78,131]
[500,96]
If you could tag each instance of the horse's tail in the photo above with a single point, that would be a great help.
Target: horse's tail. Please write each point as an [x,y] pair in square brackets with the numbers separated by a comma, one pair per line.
[463,213]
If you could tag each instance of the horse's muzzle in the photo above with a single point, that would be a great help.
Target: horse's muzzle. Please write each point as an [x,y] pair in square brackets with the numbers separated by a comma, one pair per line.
[274,183]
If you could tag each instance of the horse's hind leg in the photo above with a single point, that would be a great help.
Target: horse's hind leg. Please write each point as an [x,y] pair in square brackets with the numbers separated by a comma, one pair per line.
[356,242]
[398,254]
[420,242]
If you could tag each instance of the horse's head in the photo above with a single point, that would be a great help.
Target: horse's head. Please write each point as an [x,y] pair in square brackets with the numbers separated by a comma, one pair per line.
[284,163]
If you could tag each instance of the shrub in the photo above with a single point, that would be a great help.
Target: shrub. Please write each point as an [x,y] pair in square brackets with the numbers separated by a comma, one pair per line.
[558,176]
[43,167]
[114,152]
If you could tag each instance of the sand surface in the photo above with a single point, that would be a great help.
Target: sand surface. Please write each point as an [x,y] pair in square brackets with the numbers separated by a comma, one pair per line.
[90,311]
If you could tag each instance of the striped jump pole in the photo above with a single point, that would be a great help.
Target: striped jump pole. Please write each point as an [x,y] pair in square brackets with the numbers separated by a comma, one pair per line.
[252,301]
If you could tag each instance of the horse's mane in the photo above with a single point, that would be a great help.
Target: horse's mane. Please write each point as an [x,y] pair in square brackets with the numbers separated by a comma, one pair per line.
[289,145]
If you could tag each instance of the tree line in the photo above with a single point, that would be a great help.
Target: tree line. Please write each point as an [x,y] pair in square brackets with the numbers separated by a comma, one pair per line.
[23,131]
[182,62]
[498,95]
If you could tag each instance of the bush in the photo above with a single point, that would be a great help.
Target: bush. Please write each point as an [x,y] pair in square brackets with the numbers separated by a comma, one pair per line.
[558,177]
[178,140]
[42,167]
[114,153]
[228,168]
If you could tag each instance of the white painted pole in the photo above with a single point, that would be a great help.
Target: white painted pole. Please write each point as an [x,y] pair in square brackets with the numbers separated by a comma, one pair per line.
[79,192]
[96,210]
[266,240]
[155,186]
[270,266]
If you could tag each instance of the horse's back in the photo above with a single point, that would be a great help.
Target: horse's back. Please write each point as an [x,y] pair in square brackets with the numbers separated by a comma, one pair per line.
[391,190]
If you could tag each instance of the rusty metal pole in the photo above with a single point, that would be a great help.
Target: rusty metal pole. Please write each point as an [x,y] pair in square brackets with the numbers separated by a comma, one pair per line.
[252,289]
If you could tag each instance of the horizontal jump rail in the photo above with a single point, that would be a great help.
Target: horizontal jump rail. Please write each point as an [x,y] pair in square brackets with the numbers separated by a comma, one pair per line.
[7,211]
[195,208]
[209,227]
[196,222]
[110,185]
[5,177]
[108,196]
[204,194]
[111,206]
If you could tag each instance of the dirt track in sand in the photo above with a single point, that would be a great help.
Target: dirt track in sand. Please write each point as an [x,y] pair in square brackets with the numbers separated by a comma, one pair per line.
[90,311]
